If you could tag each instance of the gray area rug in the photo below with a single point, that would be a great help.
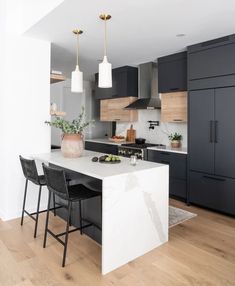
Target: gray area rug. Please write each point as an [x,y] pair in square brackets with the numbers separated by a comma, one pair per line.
[177,216]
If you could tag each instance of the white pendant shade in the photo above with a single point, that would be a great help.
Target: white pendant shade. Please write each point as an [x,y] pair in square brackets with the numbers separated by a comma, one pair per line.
[105,74]
[77,80]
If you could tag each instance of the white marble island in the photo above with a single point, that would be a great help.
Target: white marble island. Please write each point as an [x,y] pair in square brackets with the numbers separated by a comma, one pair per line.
[134,204]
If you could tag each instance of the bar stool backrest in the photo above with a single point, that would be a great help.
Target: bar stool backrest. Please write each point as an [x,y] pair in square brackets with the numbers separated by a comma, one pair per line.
[56,181]
[29,169]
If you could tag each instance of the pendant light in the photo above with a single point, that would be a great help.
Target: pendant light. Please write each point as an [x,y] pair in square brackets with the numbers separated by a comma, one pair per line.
[105,68]
[77,75]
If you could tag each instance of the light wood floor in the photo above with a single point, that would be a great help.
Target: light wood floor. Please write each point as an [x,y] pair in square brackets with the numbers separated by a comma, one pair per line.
[200,251]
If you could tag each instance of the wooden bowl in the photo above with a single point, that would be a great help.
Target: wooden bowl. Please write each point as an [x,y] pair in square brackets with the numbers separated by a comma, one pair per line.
[117,140]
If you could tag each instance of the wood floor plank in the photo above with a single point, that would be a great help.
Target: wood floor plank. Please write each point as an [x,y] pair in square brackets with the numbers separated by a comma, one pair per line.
[200,251]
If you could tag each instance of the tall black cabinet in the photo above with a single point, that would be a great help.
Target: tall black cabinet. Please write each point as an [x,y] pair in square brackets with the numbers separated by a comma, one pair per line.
[211,140]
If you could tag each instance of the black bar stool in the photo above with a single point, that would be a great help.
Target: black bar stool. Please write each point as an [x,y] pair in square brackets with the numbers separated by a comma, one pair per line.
[56,183]
[31,174]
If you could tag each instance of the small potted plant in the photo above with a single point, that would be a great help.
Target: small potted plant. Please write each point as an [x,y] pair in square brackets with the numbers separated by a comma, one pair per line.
[175,140]
[72,144]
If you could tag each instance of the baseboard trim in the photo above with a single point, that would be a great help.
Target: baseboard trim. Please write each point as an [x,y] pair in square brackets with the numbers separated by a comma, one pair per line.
[15,215]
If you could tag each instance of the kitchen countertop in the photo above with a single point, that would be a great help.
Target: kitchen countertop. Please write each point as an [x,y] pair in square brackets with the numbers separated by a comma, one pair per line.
[85,166]
[182,150]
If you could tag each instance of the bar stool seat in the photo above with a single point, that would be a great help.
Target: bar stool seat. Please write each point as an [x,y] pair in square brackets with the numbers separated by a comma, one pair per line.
[31,174]
[56,183]
[80,192]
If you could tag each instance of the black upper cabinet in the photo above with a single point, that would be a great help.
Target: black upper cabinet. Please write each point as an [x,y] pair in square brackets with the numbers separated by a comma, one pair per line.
[172,73]
[125,84]
[212,59]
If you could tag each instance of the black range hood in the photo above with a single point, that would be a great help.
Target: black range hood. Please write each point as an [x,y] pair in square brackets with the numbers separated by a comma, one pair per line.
[145,103]
[148,90]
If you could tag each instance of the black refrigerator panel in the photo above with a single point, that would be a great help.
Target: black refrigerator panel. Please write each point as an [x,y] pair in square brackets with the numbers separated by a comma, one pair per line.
[201,130]
[225,132]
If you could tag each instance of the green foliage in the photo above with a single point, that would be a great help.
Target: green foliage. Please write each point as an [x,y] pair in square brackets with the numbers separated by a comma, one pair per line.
[175,136]
[74,127]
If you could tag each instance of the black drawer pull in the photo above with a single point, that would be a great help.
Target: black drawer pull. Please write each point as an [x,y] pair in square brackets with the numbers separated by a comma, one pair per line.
[165,162]
[174,88]
[178,120]
[214,178]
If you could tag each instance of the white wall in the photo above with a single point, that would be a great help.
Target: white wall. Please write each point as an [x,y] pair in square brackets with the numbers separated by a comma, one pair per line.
[25,106]
[2,90]
[159,134]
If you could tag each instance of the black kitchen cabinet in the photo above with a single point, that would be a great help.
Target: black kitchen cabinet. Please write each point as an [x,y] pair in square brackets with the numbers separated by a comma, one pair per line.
[177,170]
[213,58]
[211,148]
[124,81]
[211,191]
[101,147]
[172,73]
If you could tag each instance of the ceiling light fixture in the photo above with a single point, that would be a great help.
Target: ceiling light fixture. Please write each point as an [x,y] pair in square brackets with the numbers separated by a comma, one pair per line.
[105,68]
[77,75]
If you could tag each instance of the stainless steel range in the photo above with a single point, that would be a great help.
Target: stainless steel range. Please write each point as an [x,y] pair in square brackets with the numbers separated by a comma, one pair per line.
[140,150]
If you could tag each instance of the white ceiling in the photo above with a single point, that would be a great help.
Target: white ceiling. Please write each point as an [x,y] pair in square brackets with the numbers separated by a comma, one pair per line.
[139,30]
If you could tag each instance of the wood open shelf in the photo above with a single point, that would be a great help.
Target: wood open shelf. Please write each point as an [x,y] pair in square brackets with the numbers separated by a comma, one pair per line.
[56,78]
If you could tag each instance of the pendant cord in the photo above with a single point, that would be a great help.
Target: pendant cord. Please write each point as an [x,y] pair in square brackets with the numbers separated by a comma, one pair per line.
[77,47]
[105,38]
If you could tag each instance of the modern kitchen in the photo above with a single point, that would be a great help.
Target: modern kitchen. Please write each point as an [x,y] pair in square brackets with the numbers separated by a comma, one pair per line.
[129,178]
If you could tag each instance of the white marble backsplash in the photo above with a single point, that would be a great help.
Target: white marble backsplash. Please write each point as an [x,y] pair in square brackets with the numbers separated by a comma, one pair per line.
[157,135]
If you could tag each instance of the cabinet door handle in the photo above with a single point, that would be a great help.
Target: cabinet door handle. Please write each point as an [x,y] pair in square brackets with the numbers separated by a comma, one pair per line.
[216,131]
[116,119]
[211,131]
[214,178]
[174,88]
[178,120]
[165,162]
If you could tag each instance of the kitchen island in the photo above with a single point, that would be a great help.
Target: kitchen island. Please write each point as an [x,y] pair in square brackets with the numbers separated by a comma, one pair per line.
[134,204]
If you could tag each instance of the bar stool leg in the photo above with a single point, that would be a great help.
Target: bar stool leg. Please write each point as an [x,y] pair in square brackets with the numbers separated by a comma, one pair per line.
[80,214]
[67,234]
[37,214]
[23,208]
[47,220]
[54,204]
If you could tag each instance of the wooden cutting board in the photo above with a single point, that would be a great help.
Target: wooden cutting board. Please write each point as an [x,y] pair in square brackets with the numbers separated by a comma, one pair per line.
[131,134]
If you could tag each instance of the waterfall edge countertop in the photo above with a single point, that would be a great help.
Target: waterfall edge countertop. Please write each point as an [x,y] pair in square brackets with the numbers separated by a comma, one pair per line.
[135,202]
[84,164]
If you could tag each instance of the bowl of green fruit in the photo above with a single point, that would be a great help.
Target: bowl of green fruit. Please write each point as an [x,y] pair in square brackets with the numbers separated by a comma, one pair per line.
[107,159]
